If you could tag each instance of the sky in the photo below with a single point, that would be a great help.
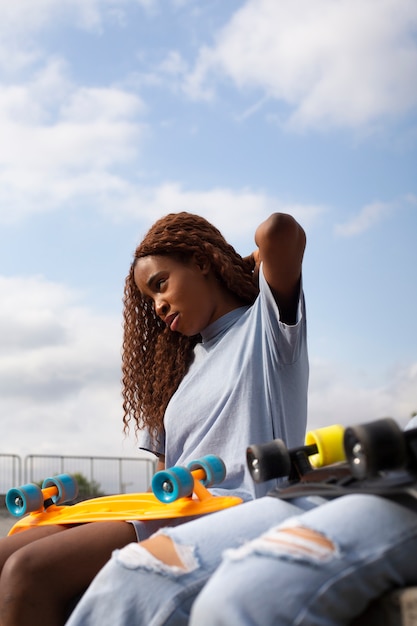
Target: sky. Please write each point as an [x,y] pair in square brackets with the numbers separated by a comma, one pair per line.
[114,113]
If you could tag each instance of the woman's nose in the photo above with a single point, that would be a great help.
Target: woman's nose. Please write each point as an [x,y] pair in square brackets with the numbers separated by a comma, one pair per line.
[161,307]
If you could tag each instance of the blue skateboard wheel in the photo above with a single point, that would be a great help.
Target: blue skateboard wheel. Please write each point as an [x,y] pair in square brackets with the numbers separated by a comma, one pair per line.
[66,485]
[25,499]
[169,485]
[213,466]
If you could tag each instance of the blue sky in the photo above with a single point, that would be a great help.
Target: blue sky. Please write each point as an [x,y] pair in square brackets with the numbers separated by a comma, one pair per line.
[116,112]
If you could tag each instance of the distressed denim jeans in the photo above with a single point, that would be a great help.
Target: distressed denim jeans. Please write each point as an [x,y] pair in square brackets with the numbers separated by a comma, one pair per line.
[135,588]
[285,563]
[320,568]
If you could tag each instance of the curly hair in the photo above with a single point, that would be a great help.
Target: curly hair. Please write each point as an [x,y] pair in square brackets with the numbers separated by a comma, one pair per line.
[155,359]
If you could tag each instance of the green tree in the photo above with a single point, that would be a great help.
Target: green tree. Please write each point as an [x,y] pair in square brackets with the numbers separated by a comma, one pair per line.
[87,488]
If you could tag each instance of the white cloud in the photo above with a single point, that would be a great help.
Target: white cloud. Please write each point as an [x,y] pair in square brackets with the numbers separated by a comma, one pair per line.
[372,214]
[61,141]
[62,144]
[28,16]
[59,371]
[234,212]
[51,315]
[338,397]
[22,22]
[344,63]
[173,64]
[369,216]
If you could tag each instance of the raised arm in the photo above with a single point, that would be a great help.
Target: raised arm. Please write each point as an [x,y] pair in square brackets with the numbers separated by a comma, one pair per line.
[281,242]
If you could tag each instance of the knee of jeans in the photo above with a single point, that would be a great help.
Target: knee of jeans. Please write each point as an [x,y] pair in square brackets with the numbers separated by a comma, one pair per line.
[208,610]
[137,557]
[291,541]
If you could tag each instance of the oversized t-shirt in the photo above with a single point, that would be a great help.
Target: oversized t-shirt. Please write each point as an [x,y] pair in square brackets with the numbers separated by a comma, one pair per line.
[247,385]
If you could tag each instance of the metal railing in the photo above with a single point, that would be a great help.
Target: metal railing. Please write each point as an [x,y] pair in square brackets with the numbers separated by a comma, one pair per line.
[108,475]
[10,471]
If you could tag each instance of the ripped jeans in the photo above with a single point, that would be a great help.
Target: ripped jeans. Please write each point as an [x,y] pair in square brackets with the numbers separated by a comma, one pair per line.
[321,568]
[285,563]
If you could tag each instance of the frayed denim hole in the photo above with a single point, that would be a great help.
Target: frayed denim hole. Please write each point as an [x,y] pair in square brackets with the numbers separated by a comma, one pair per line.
[291,542]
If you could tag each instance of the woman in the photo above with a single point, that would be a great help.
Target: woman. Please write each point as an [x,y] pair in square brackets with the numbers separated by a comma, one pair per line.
[211,363]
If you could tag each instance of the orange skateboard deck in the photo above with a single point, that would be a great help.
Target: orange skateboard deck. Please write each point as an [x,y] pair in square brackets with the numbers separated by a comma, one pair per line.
[177,492]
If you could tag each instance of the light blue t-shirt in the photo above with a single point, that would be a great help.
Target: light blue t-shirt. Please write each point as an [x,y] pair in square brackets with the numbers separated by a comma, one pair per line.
[247,385]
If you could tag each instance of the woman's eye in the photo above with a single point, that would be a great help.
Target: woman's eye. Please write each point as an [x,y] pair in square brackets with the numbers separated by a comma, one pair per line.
[159,284]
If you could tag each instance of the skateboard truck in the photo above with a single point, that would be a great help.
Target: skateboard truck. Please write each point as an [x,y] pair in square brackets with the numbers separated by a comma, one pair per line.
[322,447]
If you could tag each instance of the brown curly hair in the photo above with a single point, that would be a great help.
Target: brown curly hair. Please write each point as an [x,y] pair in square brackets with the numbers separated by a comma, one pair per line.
[155,359]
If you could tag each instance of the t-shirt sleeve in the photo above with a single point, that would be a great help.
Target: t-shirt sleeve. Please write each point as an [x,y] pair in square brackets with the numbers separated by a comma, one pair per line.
[287,338]
[146,443]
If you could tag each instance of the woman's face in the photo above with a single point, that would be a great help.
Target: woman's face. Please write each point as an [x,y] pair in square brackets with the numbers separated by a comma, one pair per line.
[182,293]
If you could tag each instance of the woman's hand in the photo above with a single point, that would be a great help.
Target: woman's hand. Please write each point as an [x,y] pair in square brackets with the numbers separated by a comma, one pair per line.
[254,261]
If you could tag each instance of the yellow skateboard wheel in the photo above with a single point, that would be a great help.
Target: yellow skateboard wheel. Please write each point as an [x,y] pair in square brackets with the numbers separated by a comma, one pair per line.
[329,442]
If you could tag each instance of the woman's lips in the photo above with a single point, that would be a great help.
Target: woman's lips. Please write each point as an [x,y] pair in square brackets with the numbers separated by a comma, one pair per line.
[172,321]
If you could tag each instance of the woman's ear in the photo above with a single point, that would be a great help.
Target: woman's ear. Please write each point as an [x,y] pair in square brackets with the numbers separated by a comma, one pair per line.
[202,261]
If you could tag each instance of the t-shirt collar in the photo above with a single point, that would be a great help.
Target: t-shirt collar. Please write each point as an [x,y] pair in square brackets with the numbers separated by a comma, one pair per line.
[221,325]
